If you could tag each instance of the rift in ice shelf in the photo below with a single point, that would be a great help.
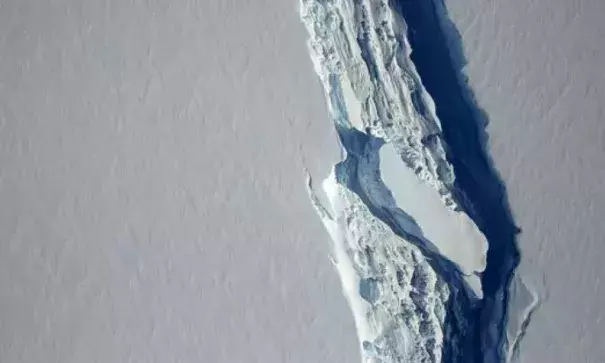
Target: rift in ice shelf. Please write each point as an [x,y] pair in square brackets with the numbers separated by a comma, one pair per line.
[412,258]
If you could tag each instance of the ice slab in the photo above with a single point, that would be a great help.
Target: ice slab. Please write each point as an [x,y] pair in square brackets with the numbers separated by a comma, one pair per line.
[453,233]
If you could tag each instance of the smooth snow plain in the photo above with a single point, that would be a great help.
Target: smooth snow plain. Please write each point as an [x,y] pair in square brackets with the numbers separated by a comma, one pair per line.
[536,68]
[152,186]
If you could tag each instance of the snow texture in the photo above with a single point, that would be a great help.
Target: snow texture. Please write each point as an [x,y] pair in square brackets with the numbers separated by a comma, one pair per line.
[151,204]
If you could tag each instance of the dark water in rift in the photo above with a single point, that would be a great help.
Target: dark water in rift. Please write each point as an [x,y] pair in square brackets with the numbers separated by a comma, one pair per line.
[478,186]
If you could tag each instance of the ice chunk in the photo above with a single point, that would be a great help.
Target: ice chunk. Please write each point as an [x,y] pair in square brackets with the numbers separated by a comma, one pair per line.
[454,234]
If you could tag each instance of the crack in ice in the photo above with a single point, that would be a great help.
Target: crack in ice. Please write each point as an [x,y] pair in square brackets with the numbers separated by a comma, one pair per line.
[408,255]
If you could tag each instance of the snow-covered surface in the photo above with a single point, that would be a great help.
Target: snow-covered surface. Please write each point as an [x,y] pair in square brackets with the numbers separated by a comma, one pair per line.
[536,68]
[151,203]
[401,241]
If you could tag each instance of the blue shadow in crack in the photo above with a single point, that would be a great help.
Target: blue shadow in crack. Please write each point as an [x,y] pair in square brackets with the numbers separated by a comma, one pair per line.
[438,57]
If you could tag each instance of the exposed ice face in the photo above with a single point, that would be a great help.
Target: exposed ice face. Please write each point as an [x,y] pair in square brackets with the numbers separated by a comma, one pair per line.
[407,255]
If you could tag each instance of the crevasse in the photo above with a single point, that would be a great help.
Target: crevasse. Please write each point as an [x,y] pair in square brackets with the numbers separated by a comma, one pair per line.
[408,256]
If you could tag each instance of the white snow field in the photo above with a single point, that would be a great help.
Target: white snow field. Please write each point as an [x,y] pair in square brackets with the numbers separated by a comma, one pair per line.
[153,204]
[536,68]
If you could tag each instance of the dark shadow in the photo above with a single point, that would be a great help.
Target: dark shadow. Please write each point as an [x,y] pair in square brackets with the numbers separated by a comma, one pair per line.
[439,59]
